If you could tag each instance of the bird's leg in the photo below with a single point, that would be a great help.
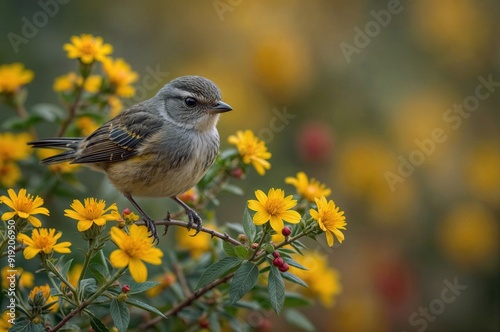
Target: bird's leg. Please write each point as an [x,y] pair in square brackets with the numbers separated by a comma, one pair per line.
[150,223]
[193,217]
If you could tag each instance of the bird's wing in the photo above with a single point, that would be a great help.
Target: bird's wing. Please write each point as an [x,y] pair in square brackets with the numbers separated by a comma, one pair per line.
[120,138]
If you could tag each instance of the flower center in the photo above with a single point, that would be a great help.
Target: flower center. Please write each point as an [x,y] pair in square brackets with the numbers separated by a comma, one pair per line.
[93,211]
[24,204]
[135,248]
[88,48]
[274,206]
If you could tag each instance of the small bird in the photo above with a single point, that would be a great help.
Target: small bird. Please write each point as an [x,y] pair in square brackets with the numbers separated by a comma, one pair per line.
[160,147]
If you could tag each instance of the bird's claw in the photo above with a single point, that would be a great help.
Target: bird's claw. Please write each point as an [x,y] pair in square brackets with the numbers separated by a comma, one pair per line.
[151,225]
[194,219]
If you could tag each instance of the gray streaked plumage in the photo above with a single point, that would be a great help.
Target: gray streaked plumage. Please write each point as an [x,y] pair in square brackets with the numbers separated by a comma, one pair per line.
[160,147]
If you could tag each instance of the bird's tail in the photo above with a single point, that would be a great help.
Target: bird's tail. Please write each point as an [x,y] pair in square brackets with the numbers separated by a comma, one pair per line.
[70,144]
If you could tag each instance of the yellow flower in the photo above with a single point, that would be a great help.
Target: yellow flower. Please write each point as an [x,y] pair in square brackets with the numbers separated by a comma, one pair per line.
[86,124]
[115,106]
[92,83]
[63,168]
[468,236]
[71,80]
[74,274]
[66,82]
[87,48]
[26,278]
[10,173]
[134,248]
[13,76]
[275,208]
[323,281]
[166,280]
[252,150]
[45,290]
[14,147]
[120,76]
[196,245]
[24,205]
[308,189]
[43,240]
[6,320]
[329,218]
[91,212]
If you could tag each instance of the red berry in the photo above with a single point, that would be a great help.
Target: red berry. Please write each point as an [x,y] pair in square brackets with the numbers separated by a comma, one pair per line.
[203,323]
[286,231]
[276,254]
[283,267]
[237,173]
[125,289]
[278,261]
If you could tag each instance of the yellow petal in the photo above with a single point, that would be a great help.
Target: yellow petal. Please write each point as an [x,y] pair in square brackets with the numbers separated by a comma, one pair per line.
[277,223]
[138,270]
[119,258]
[261,217]
[83,225]
[329,238]
[152,256]
[30,252]
[261,196]
[292,217]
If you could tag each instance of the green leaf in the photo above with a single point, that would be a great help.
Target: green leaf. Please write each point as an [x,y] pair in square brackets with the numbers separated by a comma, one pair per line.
[47,112]
[228,249]
[228,153]
[144,306]
[120,314]
[213,322]
[231,188]
[293,263]
[66,267]
[276,287]
[296,300]
[241,251]
[96,323]
[294,279]
[217,270]
[99,272]
[24,324]
[296,318]
[248,225]
[139,287]
[244,280]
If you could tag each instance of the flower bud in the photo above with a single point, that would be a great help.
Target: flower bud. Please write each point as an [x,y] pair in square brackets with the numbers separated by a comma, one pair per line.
[125,289]
[242,238]
[278,261]
[255,245]
[283,267]
[237,173]
[286,231]
[126,211]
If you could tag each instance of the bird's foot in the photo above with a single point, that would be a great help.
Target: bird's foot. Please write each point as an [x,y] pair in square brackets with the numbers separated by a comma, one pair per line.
[194,219]
[151,225]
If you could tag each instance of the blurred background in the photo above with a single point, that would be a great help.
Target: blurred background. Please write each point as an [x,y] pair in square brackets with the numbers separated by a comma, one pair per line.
[394,105]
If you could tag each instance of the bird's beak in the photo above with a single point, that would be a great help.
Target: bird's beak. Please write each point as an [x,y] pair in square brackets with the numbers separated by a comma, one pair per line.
[220,107]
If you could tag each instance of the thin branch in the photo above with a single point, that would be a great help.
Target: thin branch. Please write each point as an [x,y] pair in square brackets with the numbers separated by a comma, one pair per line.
[187,302]
[182,279]
[213,233]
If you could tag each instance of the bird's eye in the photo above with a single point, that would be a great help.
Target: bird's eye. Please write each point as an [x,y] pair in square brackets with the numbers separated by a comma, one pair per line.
[190,102]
